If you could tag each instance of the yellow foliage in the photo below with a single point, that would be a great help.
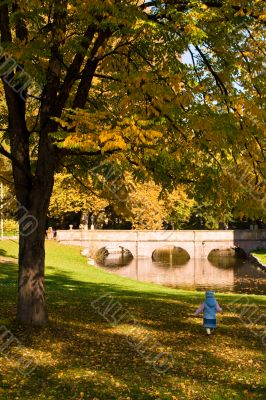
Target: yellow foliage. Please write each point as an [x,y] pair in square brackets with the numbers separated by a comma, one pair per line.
[69,196]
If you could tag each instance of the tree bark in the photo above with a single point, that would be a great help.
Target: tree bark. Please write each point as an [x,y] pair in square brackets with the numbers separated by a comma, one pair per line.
[32,216]
[31,309]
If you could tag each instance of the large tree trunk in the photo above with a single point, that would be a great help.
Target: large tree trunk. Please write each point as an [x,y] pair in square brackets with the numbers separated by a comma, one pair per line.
[32,308]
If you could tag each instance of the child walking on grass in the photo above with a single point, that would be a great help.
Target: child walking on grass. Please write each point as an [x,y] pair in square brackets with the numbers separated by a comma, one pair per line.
[209,308]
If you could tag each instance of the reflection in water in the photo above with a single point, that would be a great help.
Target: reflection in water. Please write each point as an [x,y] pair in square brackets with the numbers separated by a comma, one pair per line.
[226,274]
[227,258]
[170,255]
[115,260]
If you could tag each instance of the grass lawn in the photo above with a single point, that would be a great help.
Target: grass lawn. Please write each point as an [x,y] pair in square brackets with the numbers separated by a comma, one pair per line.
[80,355]
[261,255]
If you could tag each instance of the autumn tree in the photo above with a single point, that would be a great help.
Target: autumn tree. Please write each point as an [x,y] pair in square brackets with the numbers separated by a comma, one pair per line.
[70,196]
[143,204]
[109,87]
[147,207]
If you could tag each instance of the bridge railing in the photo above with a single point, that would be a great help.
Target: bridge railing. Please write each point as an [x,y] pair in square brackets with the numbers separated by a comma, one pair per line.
[159,235]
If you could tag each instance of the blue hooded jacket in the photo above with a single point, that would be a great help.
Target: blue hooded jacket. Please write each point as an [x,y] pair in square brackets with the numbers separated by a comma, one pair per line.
[210,305]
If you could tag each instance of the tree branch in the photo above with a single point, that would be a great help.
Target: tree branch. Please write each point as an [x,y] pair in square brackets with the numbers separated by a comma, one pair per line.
[74,69]
[80,181]
[19,135]
[18,164]
[6,180]
[184,5]
[54,69]
[107,77]
[74,152]
[218,81]
[89,71]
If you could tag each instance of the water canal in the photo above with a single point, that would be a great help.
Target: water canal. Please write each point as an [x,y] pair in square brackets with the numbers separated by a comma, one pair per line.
[223,271]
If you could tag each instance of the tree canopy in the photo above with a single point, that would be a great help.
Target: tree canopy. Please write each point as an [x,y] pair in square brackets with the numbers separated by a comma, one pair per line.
[92,84]
[120,89]
[144,208]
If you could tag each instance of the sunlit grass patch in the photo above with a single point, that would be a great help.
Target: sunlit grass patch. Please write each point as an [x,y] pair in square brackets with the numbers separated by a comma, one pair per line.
[80,355]
[261,255]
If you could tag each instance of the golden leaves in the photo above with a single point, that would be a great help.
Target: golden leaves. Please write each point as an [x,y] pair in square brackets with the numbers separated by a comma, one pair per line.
[112,140]
[100,131]
[68,197]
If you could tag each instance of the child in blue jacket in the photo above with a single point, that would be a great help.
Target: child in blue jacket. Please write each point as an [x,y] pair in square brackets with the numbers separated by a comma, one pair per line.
[209,308]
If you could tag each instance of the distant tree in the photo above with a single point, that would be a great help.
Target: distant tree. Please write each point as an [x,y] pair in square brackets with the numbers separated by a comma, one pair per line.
[69,196]
[148,208]
[144,206]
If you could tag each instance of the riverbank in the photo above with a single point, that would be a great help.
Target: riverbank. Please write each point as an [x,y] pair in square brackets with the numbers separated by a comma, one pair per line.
[260,257]
[80,355]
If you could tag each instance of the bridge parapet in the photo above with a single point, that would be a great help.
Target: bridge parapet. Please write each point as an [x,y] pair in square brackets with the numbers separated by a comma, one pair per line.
[198,243]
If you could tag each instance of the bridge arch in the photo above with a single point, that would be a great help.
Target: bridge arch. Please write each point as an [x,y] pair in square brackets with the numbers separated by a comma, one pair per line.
[111,256]
[147,249]
[226,258]
[173,254]
[227,252]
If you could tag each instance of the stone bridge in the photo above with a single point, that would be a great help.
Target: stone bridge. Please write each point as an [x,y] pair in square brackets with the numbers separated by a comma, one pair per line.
[197,243]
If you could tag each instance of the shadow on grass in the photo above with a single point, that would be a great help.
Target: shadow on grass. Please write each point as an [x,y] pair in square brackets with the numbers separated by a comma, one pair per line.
[80,352]
[3,253]
[8,272]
